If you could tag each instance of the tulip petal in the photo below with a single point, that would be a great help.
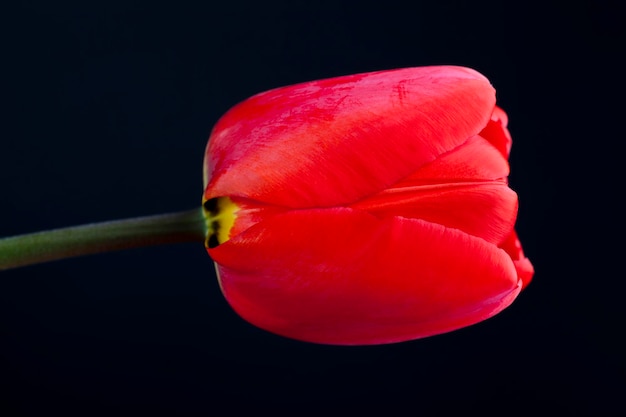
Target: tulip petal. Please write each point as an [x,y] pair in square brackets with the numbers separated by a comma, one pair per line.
[465,189]
[331,142]
[483,209]
[524,268]
[496,132]
[342,276]
[475,160]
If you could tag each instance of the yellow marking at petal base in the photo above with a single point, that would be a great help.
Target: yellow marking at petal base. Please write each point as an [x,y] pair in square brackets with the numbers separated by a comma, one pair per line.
[220,214]
[226,216]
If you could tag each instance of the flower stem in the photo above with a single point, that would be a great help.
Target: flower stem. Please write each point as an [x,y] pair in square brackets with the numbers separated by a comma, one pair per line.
[50,245]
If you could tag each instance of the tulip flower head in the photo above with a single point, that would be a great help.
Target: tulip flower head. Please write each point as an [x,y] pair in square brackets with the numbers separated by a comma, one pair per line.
[365,209]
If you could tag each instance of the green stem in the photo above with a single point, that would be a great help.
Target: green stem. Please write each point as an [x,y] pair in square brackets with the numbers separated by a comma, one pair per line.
[33,248]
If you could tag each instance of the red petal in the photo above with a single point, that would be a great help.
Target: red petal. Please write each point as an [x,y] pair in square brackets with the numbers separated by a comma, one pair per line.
[341,276]
[524,268]
[497,133]
[486,210]
[463,189]
[475,160]
[331,142]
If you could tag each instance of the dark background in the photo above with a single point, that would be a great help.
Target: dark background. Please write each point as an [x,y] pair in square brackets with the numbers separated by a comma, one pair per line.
[106,112]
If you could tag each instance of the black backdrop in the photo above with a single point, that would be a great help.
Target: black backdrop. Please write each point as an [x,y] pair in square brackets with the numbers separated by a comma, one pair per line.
[106,112]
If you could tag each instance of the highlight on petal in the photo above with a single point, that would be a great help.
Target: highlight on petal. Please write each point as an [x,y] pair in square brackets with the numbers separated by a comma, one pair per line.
[344,276]
[331,142]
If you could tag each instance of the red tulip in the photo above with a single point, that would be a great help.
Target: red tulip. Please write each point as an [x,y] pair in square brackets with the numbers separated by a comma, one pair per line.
[365,209]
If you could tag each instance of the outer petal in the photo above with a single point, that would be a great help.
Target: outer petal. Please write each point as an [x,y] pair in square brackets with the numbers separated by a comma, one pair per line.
[524,268]
[464,188]
[475,160]
[331,142]
[496,132]
[341,276]
[484,209]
